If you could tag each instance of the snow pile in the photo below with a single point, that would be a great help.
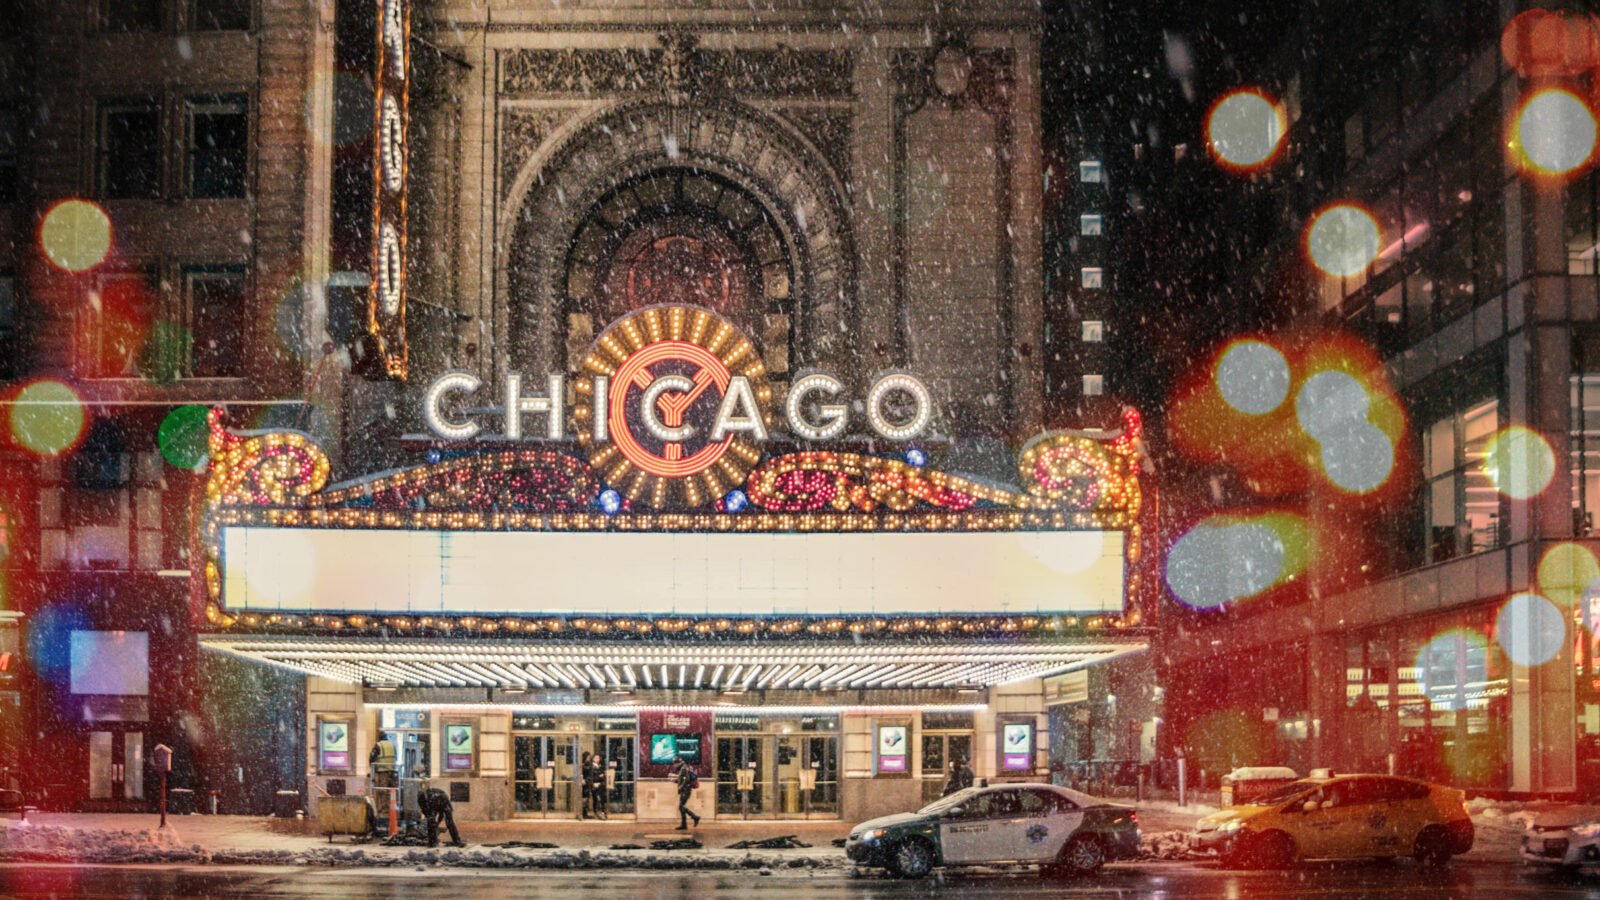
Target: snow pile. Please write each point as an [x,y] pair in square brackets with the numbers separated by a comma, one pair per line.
[23,841]
[1164,845]
[53,843]
[1171,806]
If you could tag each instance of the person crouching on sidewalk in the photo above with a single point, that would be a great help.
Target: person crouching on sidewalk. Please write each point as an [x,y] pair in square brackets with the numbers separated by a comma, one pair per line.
[435,805]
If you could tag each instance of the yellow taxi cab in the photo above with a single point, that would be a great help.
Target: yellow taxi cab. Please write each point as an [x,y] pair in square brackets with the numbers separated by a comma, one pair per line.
[1340,817]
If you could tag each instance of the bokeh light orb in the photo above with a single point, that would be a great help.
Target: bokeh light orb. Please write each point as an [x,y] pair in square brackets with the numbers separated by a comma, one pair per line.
[183,437]
[1253,377]
[1450,663]
[1553,132]
[1218,561]
[1343,240]
[1530,629]
[1358,459]
[1245,129]
[48,417]
[75,235]
[1520,462]
[1566,572]
[1330,403]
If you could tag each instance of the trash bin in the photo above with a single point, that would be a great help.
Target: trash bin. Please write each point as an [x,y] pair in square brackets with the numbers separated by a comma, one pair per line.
[180,801]
[1246,783]
[286,804]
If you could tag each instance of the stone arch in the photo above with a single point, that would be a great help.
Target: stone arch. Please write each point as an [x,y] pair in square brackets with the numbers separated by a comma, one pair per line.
[556,190]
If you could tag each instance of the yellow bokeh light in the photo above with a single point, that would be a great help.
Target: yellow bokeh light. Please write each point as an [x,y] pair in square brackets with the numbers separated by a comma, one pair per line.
[1343,240]
[1566,571]
[1245,129]
[1519,462]
[1553,133]
[75,235]
[48,417]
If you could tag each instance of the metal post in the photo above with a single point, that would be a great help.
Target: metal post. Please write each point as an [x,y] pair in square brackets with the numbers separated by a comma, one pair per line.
[1183,783]
[163,798]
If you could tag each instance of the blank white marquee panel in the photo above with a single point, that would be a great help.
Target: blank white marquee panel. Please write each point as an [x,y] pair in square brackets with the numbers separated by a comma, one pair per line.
[624,573]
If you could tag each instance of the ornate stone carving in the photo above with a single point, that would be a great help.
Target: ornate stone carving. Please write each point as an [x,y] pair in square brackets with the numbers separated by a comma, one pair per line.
[829,131]
[680,68]
[521,133]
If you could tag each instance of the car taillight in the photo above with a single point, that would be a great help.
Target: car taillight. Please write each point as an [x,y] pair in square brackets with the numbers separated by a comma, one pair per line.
[1134,818]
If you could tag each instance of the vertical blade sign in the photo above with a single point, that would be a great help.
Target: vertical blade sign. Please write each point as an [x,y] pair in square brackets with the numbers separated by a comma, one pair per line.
[386,319]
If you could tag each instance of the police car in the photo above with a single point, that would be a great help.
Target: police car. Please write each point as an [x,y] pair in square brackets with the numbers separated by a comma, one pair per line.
[1064,831]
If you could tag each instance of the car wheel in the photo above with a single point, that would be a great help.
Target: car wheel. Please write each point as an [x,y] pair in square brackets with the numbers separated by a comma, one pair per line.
[912,859]
[1433,846]
[1083,855]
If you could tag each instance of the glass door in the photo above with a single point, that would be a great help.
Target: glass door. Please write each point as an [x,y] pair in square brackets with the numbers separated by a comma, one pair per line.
[543,773]
[940,751]
[754,794]
[807,775]
[618,753]
[116,765]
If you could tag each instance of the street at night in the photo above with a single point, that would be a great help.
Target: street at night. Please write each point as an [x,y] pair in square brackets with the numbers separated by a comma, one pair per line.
[799,447]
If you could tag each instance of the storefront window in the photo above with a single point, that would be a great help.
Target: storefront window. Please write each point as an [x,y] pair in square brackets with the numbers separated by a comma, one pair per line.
[1461,506]
[1454,702]
[413,741]
[1584,434]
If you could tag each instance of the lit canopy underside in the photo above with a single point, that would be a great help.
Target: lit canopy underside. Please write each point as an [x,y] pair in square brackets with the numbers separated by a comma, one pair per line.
[616,666]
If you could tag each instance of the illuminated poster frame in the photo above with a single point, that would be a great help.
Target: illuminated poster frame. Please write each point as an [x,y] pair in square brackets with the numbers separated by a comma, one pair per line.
[386,307]
[892,749]
[334,738]
[460,746]
[1017,741]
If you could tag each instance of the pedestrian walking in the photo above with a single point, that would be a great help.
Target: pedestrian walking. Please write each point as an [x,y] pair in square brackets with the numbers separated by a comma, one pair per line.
[596,775]
[585,784]
[688,779]
[435,805]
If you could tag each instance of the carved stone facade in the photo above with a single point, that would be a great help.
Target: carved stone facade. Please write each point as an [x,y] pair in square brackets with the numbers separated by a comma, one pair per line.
[897,165]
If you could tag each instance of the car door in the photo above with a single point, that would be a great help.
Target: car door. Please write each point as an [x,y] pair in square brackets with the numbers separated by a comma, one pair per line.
[983,831]
[1049,819]
[1408,810]
[1315,821]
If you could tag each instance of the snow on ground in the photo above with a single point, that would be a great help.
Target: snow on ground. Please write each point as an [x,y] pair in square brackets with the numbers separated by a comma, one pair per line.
[25,841]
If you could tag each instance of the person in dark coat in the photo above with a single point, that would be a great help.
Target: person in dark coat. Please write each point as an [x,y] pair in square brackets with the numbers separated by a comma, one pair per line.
[435,805]
[960,777]
[596,777]
[586,784]
[687,780]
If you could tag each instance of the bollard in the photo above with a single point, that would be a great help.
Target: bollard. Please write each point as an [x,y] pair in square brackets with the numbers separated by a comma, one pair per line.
[1183,792]
[394,811]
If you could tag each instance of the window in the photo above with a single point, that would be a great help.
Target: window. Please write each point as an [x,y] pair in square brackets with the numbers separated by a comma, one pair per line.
[120,311]
[214,307]
[1091,172]
[1462,507]
[1091,224]
[1093,385]
[219,15]
[8,155]
[1584,432]
[218,137]
[1039,803]
[1094,331]
[130,15]
[128,149]
[1093,277]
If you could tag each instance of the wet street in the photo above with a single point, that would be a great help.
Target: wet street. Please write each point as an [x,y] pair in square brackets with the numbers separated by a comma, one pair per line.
[1177,880]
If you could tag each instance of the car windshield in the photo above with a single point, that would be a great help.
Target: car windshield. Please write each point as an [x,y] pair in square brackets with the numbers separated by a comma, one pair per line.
[1287,792]
[944,803]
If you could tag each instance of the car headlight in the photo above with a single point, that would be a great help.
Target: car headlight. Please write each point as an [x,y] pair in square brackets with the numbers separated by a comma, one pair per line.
[1589,830]
[1229,827]
[874,834]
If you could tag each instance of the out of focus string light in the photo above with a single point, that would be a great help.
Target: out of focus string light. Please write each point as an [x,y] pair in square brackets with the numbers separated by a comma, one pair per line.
[75,235]
[1553,132]
[1226,558]
[1519,462]
[48,417]
[1333,408]
[1253,377]
[1343,240]
[1245,129]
